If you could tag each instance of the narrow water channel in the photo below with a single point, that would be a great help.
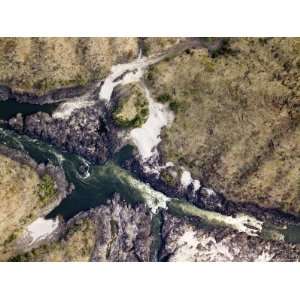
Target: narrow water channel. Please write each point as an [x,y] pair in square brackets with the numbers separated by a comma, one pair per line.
[92,187]
[11,107]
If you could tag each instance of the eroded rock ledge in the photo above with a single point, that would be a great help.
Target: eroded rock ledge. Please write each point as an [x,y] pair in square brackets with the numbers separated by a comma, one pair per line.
[186,241]
[114,232]
[118,231]
[209,201]
[84,132]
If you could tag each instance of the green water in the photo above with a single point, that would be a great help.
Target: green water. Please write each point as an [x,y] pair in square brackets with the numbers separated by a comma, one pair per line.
[10,108]
[90,191]
[100,182]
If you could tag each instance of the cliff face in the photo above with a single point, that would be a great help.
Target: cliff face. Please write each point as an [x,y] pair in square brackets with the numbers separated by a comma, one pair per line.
[237,118]
[39,65]
[185,241]
[114,232]
[118,232]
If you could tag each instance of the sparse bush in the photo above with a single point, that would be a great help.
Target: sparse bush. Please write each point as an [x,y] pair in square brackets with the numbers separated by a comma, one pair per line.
[132,111]
[164,98]
[46,189]
[174,106]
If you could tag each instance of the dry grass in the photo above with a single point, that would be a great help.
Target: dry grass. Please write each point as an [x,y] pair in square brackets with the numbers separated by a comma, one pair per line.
[132,109]
[237,121]
[155,45]
[20,201]
[77,245]
[38,65]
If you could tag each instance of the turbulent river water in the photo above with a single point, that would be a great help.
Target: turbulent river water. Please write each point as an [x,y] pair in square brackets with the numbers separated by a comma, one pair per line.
[94,184]
[99,182]
[92,188]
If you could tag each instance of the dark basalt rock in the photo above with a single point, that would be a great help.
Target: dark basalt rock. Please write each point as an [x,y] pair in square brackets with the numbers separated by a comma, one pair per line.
[17,122]
[84,133]
[5,93]
[120,233]
[219,244]
[57,95]
[213,202]
[124,232]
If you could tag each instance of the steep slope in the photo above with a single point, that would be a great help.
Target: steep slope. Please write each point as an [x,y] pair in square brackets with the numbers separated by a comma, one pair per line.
[39,65]
[237,118]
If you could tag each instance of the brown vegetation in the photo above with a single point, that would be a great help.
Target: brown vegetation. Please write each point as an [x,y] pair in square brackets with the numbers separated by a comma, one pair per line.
[23,197]
[237,118]
[39,65]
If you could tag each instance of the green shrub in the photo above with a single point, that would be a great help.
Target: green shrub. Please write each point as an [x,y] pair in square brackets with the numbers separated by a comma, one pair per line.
[164,98]
[133,110]
[168,178]
[46,189]
[174,106]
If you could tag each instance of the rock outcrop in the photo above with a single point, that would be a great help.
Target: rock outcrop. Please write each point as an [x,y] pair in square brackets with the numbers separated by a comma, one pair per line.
[184,240]
[132,108]
[84,132]
[124,233]
[113,232]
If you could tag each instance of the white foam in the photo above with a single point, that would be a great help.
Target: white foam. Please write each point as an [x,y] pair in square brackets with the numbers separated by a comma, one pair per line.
[209,191]
[196,185]
[128,73]
[41,228]
[147,137]
[60,158]
[65,110]
[153,198]
[87,174]
[186,179]
[244,223]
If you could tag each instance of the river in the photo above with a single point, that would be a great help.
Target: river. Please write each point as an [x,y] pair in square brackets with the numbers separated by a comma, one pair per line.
[100,182]
[92,187]
[94,184]
[11,107]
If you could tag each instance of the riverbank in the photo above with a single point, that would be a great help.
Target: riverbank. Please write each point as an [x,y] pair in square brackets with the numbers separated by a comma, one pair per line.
[29,191]
[119,232]
[111,232]
[63,188]
[110,176]
[90,131]
[85,126]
